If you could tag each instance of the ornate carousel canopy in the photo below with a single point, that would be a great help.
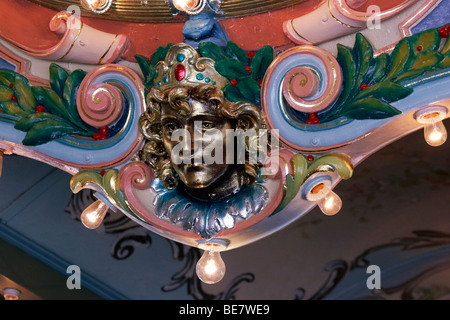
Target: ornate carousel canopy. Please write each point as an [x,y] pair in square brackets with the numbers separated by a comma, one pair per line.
[217,123]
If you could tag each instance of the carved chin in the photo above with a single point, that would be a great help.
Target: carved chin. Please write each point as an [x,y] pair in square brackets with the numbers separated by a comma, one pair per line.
[200,176]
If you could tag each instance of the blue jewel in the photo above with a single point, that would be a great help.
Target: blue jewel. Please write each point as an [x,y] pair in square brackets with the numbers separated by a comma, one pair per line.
[180,57]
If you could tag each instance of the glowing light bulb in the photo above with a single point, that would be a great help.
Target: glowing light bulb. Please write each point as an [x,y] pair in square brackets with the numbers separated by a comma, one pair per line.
[185,5]
[210,267]
[97,6]
[330,204]
[93,215]
[11,294]
[431,117]
[92,4]
[435,133]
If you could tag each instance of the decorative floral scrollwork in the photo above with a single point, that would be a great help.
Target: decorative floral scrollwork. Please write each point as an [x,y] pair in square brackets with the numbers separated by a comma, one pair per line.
[100,105]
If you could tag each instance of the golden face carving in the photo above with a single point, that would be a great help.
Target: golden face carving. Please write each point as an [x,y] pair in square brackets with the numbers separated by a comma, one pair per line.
[200,131]
[179,122]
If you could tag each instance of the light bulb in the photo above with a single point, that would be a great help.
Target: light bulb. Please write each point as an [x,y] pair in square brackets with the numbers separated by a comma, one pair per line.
[97,6]
[210,267]
[330,204]
[93,215]
[11,294]
[435,133]
[185,5]
[92,4]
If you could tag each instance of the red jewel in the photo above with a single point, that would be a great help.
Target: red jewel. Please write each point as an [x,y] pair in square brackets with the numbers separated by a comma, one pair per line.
[310,158]
[419,48]
[233,82]
[250,54]
[444,31]
[39,108]
[260,83]
[11,85]
[312,119]
[99,136]
[364,86]
[103,130]
[102,173]
[13,98]
[249,69]
[180,72]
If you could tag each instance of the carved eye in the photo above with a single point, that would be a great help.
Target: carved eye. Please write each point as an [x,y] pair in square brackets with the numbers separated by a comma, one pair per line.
[172,126]
[206,125]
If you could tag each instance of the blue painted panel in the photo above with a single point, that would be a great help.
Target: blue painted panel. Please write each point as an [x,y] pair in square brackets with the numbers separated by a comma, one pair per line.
[37,223]
[4,64]
[437,18]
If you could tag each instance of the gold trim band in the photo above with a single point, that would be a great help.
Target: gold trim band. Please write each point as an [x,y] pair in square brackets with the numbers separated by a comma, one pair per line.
[109,48]
[293,28]
[341,22]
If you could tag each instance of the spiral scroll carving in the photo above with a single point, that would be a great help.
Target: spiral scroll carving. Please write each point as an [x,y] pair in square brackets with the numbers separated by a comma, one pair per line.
[136,174]
[100,105]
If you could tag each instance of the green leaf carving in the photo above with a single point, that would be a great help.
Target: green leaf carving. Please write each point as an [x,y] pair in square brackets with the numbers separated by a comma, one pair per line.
[383,76]
[235,52]
[428,40]
[250,89]
[386,90]
[12,108]
[370,108]
[363,53]
[27,122]
[346,60]
[160,54]
[261,61]
[212,51]
[5,93]
[48,130]
[148,70]
[24,93]
[51,101]
[59,100]
[380,65]
[58,78]
[231,69]
[445,63]
[399,59]
[7,77]
[422,63]
[69,96]
[232,93]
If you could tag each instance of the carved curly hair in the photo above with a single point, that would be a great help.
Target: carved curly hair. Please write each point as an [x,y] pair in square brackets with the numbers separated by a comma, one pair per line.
[243,115]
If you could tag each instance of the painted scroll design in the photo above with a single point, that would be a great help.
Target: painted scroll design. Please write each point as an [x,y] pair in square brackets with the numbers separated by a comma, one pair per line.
[336,18]
[299,168]
[407,289]
[80,42]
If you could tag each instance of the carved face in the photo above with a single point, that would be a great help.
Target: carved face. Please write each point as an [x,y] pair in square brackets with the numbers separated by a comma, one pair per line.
[196,143]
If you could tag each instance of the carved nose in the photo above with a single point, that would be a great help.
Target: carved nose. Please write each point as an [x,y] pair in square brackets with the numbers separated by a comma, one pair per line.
[192,143]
